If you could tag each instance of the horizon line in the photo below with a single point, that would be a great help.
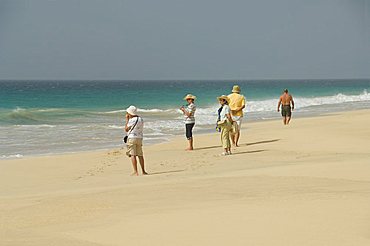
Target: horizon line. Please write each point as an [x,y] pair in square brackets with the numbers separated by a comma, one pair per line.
[174,80]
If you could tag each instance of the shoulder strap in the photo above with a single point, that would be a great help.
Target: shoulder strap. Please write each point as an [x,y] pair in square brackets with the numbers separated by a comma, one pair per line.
[219,113]
[137,119]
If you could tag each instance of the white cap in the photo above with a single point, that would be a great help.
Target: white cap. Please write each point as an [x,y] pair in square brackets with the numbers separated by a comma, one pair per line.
[132,110]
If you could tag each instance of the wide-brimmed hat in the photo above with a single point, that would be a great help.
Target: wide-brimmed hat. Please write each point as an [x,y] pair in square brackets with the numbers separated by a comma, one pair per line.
[190,96]
[132,110]
[236,89]
[223,97]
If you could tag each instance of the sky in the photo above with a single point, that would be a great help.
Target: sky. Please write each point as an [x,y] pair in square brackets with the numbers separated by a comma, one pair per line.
[187,39]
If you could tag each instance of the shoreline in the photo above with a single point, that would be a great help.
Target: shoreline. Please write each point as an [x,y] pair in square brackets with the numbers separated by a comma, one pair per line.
[246,121]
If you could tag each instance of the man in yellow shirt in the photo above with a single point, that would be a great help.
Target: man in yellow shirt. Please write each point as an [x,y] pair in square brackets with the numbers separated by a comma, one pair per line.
[237,104]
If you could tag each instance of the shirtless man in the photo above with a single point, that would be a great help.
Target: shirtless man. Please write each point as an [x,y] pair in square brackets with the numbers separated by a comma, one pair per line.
[287,105]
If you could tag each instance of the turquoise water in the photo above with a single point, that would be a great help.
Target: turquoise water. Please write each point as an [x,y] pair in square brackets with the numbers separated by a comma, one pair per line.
[43,117]
[97,95]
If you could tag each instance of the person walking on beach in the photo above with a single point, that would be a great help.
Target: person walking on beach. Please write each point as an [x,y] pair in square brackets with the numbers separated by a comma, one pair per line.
[189,114]
[134,127]
[287,105]
[225,123]
[237,104]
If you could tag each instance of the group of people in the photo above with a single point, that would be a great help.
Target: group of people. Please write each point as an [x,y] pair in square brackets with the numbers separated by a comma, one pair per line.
[229,120]
[230,117]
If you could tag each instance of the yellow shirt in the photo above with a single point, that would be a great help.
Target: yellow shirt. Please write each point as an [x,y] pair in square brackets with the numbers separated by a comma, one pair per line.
[236,101]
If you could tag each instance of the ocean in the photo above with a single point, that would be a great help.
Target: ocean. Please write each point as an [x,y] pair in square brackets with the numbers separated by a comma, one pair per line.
[51,117]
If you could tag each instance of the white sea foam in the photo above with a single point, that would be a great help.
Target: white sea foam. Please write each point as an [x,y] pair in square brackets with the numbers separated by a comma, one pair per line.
[158,133]
[165,125]
[18,109]
[49,110]
[336,99]
[115,111]
[11,156]
[36,126]
[115,127]
[154,110]
[301,102]
[140,110]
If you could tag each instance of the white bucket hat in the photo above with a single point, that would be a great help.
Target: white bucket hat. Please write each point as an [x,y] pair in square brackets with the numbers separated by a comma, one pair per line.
[132,110]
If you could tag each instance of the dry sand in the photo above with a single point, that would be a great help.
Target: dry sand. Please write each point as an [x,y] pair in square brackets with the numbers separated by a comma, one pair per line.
[305,184]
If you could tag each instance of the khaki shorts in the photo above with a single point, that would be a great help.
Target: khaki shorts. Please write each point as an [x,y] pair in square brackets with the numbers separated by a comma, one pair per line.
[134,147]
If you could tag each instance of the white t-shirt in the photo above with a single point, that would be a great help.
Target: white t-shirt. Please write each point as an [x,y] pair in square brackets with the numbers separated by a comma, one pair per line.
[225,110]
[137,131]
[190,109]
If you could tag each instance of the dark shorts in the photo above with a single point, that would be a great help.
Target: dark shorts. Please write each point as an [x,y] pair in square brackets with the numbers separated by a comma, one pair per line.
[189,130]
[286,111]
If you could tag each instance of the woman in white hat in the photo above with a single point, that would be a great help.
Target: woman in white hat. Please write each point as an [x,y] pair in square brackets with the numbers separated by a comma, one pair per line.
[134,127]
[225,123]
[189,112]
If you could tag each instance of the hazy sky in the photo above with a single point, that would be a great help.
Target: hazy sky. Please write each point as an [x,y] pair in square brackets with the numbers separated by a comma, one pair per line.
[184,39]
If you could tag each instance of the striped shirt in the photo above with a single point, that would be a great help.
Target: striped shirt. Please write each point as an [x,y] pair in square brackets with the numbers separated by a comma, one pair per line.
[190,108]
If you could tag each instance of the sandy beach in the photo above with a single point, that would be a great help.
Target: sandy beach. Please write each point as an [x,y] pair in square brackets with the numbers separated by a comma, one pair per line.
[305,184]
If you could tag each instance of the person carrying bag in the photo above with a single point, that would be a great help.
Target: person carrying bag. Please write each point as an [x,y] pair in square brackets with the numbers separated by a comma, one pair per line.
[224,123]
[134,127]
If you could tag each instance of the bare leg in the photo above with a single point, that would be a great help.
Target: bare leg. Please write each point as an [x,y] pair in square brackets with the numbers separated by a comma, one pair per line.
[134,165]
[190,144]
[232,136]
[237,135]
[141,160]
[287,120]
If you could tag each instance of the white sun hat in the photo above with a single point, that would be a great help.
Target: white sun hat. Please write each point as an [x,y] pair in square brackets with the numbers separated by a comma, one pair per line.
[132,110]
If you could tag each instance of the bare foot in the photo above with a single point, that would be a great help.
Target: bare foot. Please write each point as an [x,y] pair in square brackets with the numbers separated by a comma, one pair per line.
[134,174]
[188,149]
[145,173]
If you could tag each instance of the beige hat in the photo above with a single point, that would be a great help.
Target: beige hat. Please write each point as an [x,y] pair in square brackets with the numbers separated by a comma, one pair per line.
[224,97]
[190,96]
[132,110]
[236,89]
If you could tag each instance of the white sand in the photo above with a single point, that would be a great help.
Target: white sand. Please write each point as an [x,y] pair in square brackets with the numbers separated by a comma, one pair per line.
[305,184]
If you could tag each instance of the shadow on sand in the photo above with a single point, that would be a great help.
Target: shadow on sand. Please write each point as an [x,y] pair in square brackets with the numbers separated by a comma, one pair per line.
[209,147]
[164,172]
[244,144]
[260,142]
[248,152]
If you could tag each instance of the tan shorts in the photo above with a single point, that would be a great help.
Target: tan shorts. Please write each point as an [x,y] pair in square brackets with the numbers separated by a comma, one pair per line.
[134,147]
